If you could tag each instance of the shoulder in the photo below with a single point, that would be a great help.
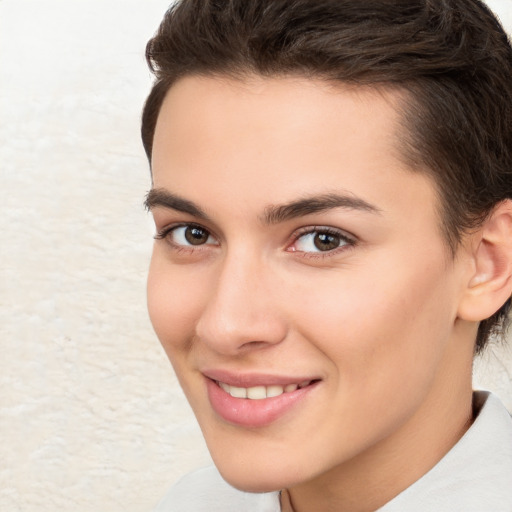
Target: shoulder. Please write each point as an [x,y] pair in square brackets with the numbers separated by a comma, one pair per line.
[204,490]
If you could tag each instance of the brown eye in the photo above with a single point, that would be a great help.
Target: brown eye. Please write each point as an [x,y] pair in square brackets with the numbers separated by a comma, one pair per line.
[187,235]
[326,241]
[195,235]
[321,240]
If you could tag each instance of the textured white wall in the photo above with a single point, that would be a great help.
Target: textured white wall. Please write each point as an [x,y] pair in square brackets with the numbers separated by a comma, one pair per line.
[91,417]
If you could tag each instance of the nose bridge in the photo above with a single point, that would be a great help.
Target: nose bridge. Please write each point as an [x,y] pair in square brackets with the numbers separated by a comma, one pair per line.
[240,309]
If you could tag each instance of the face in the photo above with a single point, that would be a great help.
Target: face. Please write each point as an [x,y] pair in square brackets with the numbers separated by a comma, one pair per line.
[299,283]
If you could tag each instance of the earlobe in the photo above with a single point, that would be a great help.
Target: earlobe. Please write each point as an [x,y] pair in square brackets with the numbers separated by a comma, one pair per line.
[490,283]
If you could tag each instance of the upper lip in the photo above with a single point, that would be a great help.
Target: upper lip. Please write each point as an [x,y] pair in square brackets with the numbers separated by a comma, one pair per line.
[247,380]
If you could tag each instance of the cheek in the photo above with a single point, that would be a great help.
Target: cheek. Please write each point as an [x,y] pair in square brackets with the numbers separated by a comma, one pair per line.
[384,345]
[380,325]
[174,301]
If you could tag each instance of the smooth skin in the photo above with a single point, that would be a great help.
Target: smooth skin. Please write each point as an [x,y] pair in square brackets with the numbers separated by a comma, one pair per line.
[363,294]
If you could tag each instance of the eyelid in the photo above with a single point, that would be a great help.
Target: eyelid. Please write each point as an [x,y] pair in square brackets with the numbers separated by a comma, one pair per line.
[162,234]
[347,237]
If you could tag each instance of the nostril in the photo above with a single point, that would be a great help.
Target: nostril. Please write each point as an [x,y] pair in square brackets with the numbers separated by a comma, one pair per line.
[251,345]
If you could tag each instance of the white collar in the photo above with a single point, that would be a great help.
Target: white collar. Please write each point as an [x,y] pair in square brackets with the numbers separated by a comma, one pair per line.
[475,475]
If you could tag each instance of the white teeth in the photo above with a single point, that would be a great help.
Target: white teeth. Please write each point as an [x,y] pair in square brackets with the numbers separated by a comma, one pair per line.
[238,392]
[257,393]
[225,387]
[274,391]
[261,392]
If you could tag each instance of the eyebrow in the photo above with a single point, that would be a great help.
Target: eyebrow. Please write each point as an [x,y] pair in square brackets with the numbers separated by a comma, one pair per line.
[316,204]
[273,214]
[160,197]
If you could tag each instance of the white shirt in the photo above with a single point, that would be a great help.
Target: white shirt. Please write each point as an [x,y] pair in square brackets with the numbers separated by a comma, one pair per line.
[474,476]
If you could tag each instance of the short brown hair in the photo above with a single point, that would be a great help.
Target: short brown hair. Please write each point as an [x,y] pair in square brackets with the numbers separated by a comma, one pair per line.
[452,58]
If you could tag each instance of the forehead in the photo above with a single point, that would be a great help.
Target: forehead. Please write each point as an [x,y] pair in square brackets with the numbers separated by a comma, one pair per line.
[278,110]
[272,140]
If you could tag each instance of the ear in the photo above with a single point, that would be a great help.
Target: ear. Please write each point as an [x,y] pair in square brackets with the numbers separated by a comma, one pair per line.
[490,281]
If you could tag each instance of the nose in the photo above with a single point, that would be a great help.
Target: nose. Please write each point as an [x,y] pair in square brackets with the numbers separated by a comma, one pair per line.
[242,310]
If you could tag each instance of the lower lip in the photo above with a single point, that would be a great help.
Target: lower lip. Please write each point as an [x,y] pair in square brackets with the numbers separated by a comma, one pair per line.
[253,413]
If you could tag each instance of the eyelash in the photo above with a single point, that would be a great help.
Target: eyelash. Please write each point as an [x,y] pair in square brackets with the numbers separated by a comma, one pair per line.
[164,233]
[348,240]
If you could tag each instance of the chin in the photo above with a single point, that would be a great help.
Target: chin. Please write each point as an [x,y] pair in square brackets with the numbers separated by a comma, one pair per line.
[251,482]
[267,476]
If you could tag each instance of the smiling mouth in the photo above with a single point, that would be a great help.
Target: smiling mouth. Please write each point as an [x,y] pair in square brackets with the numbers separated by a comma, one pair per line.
[262,401]
[262,392]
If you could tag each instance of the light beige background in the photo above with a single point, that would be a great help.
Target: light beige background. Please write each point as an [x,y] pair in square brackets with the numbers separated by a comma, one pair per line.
[91,417]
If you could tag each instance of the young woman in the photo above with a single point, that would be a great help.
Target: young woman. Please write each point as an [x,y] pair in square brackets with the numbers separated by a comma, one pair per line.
[332,184]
